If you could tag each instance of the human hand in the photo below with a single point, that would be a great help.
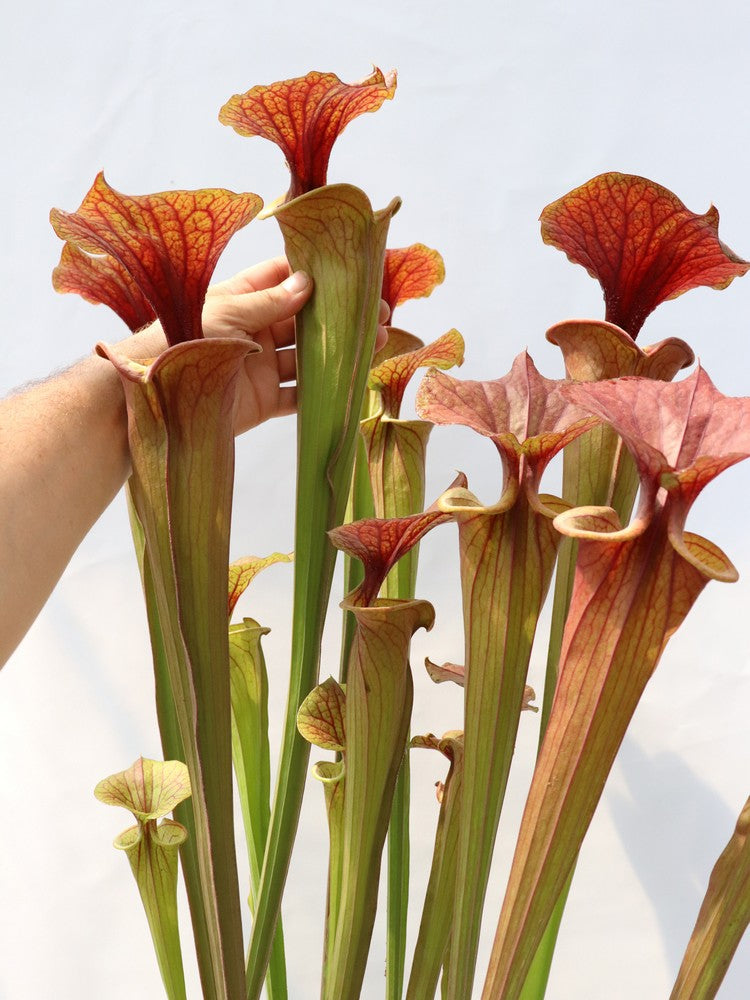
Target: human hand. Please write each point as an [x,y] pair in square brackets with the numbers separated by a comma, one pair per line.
[259,303]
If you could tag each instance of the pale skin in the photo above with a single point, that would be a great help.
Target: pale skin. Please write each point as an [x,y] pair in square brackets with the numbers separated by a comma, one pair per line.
[63,442]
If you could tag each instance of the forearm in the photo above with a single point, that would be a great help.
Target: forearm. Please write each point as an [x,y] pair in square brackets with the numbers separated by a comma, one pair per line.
[63,458]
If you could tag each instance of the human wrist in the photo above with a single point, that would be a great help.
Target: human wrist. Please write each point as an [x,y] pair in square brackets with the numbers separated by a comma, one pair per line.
[144,345]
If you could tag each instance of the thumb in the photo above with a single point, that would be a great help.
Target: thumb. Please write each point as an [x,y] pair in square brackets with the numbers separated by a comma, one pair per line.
[258,310]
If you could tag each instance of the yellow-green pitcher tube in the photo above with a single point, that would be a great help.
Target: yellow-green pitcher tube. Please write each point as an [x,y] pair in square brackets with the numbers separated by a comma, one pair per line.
[597,470]
[722,921]
[181,438]
[379,696]
[333,234]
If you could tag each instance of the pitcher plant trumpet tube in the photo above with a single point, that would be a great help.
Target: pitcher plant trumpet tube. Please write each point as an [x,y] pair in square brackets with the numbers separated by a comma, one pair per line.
[597,470]
[332,233]
[376,715]
[633,588]
[507,554]
[722,920]
[643,246]
[150,789]
[248,680]
[181,441]
[396,456]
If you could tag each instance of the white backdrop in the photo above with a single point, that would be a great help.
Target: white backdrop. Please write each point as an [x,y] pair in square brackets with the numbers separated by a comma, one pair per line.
[500,109]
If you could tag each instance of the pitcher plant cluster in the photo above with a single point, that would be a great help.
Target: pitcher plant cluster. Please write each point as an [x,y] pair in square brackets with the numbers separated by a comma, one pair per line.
[625,578]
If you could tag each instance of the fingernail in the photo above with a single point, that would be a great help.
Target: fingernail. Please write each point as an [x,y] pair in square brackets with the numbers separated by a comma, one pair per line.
[296,282]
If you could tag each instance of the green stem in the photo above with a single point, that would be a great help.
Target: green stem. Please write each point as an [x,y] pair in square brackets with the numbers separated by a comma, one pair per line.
[535,986]
[398,885]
